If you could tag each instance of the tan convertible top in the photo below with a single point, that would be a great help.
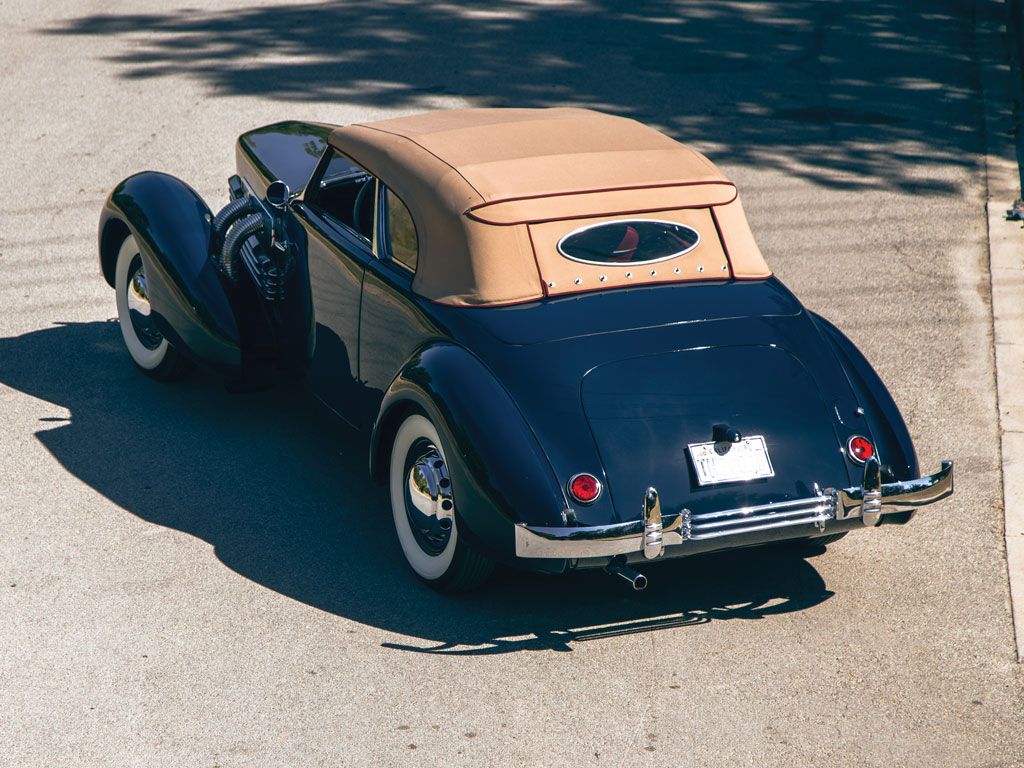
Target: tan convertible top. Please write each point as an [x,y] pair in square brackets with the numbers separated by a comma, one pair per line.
[492,191]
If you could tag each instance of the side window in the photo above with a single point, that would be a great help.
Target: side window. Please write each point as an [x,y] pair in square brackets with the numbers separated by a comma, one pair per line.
[401,232]
[347,194]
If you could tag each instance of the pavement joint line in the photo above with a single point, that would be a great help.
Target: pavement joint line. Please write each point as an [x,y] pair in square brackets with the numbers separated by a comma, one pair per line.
[1000,85]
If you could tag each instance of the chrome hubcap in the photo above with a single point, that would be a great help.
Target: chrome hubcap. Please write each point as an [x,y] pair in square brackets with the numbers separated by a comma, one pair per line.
[428,498]
[139,310]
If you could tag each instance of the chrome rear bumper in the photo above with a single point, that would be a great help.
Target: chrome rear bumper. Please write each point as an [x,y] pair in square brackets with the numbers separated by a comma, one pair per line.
[655,531]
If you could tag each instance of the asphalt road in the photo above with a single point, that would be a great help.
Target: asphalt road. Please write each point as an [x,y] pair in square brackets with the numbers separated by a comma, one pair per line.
[194,578]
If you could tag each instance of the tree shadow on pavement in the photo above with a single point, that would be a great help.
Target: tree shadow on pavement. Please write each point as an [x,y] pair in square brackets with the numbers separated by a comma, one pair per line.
[280,490]
[852,95]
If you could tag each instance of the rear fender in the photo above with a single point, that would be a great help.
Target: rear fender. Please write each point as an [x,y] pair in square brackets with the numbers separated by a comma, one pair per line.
[171,225]
[892,439]
[499,471]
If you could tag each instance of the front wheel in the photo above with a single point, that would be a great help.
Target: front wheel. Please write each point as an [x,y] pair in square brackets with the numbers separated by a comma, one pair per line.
[147,346]
[423,505]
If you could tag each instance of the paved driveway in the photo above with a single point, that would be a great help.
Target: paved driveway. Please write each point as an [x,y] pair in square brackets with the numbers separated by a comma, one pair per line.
[192,578]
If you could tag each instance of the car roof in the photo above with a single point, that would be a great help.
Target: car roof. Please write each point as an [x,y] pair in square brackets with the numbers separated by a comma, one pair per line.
[506,154]
[492,190]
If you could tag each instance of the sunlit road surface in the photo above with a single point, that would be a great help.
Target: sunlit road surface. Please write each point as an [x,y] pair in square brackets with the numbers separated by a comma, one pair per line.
[194,578]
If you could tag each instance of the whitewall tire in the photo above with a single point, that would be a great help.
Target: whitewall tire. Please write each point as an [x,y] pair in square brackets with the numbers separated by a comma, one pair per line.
[423,506]
[149,350]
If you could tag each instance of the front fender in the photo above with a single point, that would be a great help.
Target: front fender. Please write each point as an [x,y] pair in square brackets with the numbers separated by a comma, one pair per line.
[171,225]
[890,432]
[498,468]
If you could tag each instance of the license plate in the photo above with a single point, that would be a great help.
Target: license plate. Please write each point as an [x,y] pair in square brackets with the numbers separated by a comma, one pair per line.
[745,460]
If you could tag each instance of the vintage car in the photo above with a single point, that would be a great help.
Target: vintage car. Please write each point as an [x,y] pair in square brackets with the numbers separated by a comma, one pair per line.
[554,327]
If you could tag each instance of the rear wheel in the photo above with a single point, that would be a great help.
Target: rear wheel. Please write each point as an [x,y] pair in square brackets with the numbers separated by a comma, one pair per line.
[148,348]
[423,505]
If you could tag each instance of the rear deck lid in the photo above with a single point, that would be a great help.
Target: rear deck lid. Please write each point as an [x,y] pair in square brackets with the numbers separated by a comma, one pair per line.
[646,412]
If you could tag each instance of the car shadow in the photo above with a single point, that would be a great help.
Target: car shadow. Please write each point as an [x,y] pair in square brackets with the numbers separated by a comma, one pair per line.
[854,95]
[279,488]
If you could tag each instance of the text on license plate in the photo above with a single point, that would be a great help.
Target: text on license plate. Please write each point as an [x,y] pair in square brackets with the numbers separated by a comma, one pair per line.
[745,460]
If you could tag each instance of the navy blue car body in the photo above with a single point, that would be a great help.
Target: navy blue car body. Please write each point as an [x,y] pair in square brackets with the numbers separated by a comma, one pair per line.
[616,384]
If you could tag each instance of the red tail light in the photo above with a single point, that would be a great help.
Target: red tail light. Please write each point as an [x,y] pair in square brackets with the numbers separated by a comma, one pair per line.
[584,488]
[860,449]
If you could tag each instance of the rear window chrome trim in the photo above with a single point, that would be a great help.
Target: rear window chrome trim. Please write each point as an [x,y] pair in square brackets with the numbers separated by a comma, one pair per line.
[629,264]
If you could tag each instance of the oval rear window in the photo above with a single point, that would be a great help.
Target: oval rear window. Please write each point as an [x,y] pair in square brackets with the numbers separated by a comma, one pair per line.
[632,241]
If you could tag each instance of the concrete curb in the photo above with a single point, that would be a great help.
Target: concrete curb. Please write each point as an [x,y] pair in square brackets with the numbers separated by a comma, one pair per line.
[996,45]
[1006,253]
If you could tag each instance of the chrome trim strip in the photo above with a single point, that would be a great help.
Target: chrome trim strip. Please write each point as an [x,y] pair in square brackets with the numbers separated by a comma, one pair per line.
[763,507]
[812,520]
[699,524]
[870,502]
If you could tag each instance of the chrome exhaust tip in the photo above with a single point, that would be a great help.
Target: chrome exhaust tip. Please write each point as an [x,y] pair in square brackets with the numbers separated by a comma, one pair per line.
[636,579]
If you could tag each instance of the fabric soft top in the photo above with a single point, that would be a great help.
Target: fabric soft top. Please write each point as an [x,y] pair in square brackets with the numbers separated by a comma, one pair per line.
[491,192]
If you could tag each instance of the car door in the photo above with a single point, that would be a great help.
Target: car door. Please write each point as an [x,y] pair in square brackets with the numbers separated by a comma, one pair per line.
[393,326]
[337,215]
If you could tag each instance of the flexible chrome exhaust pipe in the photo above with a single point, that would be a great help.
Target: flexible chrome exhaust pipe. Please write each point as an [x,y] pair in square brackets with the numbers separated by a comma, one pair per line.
[636,579]
[229,214]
